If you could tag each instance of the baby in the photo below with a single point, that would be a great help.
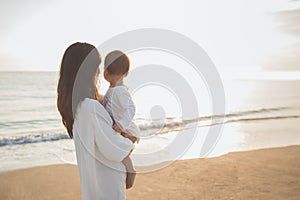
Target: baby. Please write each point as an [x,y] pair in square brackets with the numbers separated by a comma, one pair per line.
[118,103]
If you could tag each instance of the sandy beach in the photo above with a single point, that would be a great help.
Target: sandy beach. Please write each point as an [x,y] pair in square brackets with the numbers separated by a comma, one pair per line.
[259,174]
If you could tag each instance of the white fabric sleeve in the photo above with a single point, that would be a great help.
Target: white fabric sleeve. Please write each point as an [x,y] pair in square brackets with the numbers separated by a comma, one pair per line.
[112,145]
[123,102]
[133,129]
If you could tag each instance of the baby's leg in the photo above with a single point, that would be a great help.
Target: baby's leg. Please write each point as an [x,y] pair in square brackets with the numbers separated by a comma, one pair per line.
[130,172]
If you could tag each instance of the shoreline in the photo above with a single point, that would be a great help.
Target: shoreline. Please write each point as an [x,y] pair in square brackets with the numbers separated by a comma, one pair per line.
[25,167]
[270,173]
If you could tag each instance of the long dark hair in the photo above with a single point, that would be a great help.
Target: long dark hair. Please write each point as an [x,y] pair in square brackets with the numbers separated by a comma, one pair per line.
[79,70]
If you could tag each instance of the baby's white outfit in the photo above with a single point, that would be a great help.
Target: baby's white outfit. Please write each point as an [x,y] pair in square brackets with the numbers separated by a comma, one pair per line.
[118,103]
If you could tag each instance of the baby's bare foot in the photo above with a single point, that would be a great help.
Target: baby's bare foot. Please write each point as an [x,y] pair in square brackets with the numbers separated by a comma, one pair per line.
[130,177]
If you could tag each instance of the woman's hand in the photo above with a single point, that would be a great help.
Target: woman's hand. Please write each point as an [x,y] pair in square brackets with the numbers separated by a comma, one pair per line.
[130,137]
[117,128]
[100,98]
[124,133]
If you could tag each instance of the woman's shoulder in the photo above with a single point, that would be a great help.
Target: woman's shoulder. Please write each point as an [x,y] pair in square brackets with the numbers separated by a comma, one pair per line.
[93,106]
[89,103]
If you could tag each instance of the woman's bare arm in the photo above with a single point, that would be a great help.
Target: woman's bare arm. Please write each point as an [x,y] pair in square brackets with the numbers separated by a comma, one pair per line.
[129,136]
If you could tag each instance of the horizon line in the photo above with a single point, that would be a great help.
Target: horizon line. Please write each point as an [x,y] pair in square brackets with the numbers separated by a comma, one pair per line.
[29,70]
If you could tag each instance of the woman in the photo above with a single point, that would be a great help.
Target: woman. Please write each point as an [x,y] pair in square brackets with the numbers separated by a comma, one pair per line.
[99,149]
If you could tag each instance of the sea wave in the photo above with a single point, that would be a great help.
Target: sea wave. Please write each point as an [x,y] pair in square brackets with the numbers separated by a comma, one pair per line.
[149,128]
[32,138]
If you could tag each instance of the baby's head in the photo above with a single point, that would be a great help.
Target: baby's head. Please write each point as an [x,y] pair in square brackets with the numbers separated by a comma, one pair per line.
[116,66]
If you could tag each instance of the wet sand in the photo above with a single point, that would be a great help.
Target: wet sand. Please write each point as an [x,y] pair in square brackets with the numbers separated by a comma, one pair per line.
[272,173]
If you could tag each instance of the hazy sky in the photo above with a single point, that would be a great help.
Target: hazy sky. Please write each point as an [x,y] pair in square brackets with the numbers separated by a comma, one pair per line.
[237,34]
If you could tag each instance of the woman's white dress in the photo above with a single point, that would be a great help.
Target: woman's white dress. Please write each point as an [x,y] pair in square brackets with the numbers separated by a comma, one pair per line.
[99,152]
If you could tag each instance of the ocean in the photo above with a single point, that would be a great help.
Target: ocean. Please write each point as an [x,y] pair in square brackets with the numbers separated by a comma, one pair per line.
[261,112]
